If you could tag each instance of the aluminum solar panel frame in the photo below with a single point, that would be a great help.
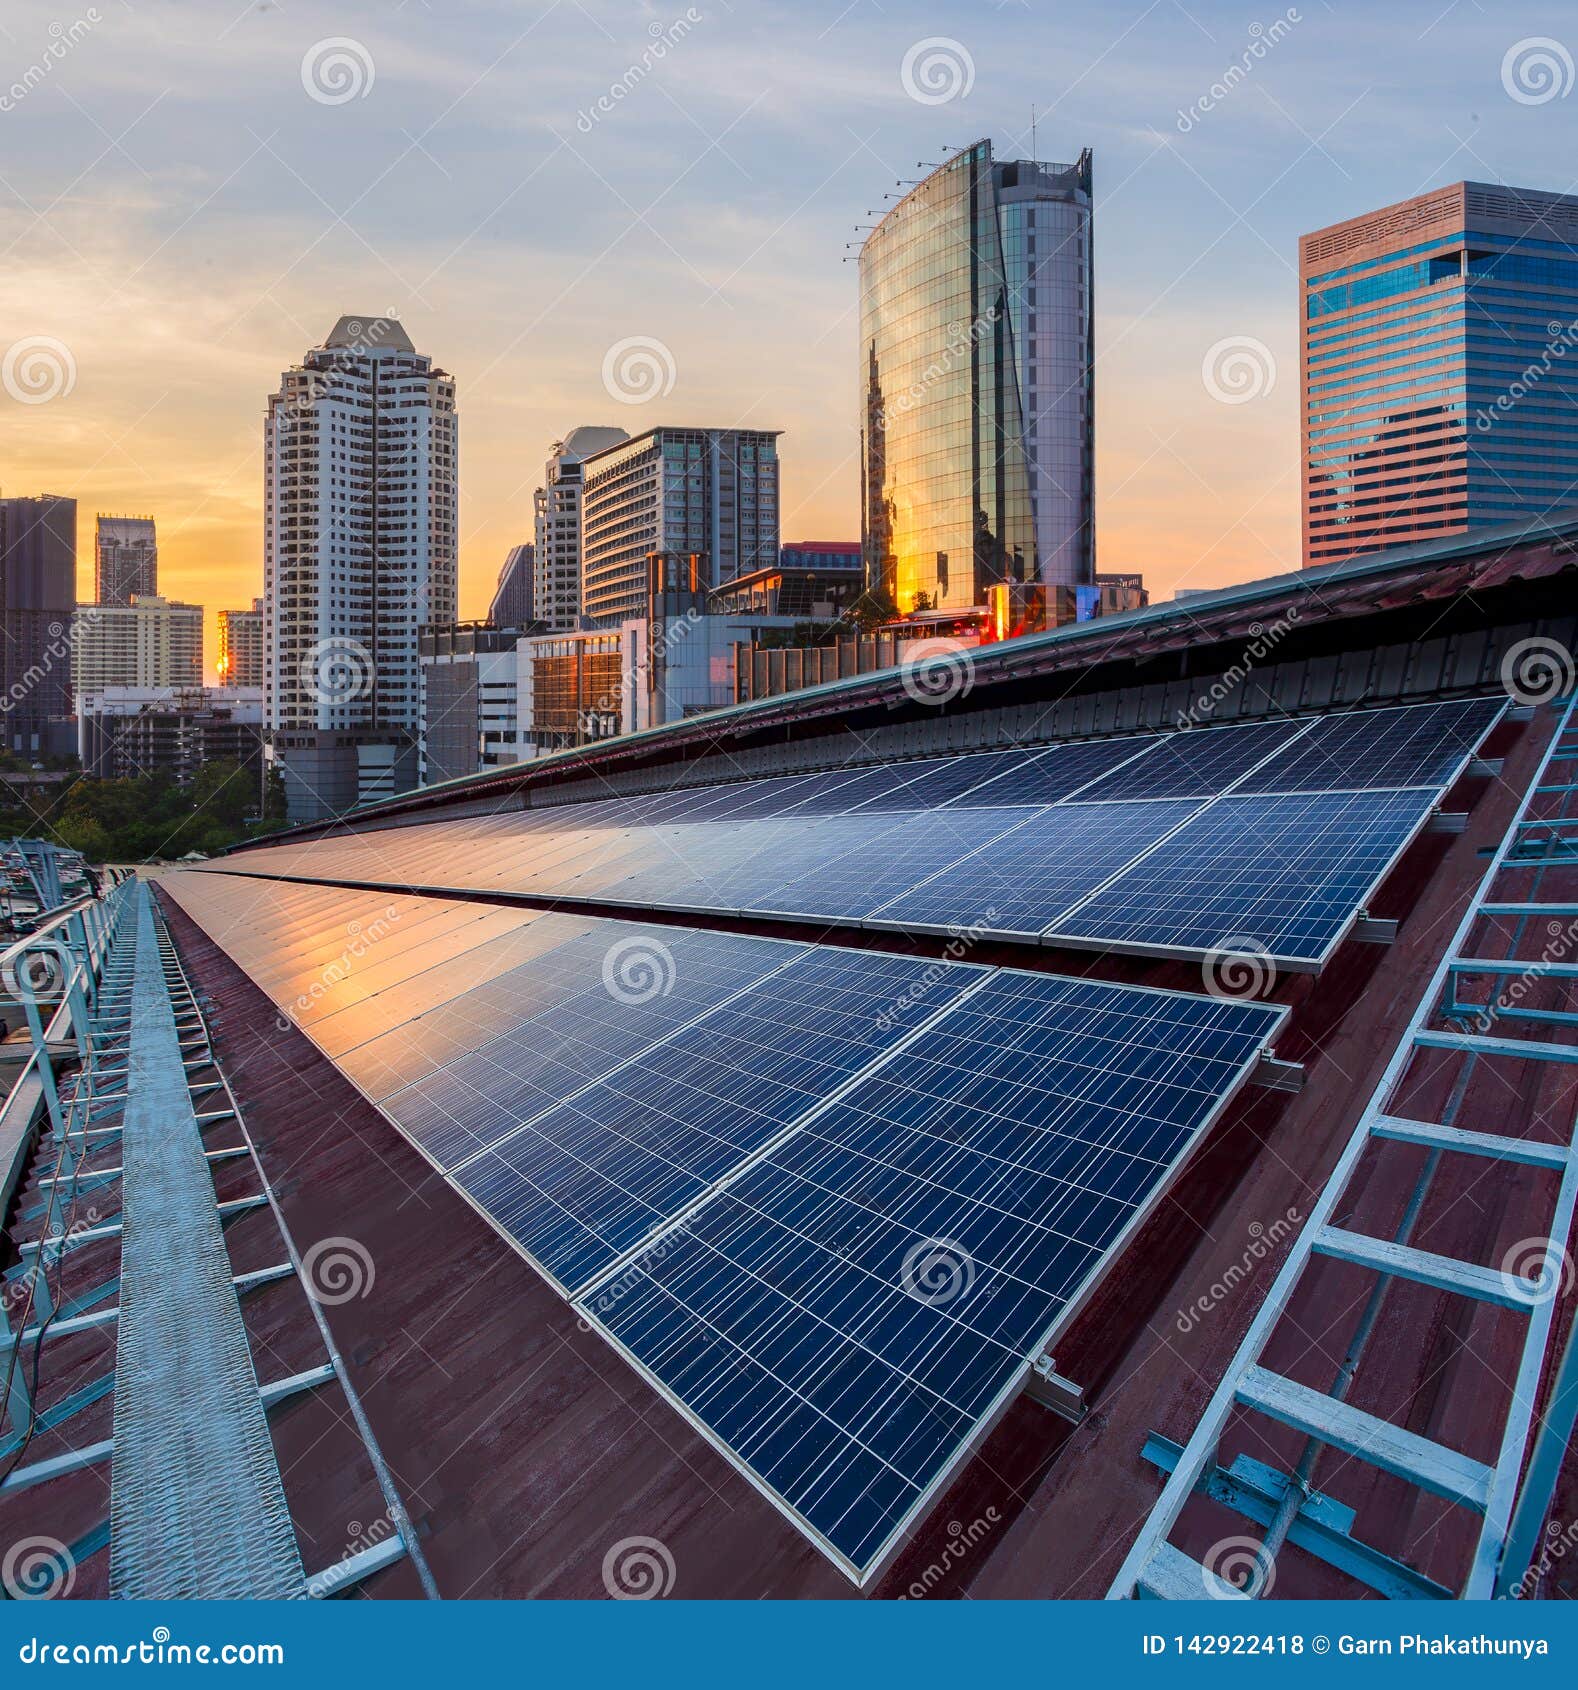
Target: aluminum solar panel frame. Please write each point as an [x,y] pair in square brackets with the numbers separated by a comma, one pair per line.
[868,857]
[1411,745]
[1196,762]
[1013,884]
[847,1315]
[587,1182]
[583,1010]
[1283,876]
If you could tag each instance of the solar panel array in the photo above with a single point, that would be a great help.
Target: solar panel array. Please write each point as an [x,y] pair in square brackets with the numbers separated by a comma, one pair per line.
[1269,834]
[833,1203]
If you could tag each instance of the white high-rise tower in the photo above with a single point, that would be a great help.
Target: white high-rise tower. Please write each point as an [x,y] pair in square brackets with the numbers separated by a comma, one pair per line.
[359,550]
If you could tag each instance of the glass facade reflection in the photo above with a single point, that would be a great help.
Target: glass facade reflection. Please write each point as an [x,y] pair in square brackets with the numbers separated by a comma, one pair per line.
[1440,368]
[975,374]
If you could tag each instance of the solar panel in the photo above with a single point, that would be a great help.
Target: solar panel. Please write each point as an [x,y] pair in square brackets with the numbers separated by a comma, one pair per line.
[581,1010]
[1198,763]
[860,862]
[845,1316]
[589,1179]
[1416,745]
[1284,874]
[1020,882]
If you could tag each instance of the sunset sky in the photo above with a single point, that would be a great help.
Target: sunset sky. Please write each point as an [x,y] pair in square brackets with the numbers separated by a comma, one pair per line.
[191,191]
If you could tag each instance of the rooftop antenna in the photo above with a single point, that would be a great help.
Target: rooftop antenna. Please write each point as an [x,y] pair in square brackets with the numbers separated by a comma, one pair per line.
[1032,132]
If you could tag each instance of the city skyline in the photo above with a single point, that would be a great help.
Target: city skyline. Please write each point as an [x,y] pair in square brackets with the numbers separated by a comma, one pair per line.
[505,232]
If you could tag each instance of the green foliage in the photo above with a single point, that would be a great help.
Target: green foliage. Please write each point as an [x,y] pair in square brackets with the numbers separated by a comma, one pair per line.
[134,821]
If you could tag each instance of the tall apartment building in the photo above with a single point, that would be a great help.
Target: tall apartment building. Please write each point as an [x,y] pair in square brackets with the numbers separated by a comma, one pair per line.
[360,518]
[38,593]
[557,506]
[977,381]
[706,491]
[1437,351]
[125,559]
[240,661]
[151,642]
[515,594]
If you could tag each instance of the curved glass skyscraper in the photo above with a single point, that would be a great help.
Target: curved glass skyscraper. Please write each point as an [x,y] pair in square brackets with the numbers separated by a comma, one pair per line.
[976,380]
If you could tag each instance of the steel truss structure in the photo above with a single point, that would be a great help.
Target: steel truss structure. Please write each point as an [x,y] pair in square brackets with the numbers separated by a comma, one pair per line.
[113,1017]
[1511,1494]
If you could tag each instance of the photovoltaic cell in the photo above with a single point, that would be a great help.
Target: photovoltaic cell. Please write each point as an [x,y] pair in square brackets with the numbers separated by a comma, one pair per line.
[843,1315]
[1024,880]
[581,1010]
[589,1179]
[1417,745]
[1197,763]
[1281,874]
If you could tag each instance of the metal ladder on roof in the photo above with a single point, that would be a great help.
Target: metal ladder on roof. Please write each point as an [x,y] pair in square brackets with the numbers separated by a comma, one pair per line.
[1285,1505]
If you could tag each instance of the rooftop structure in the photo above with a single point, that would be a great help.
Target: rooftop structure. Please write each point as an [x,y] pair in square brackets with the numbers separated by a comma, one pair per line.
[803,1086]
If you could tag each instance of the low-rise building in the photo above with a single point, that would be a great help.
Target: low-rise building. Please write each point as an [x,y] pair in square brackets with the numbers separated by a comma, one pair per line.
[124,732]
[470,690]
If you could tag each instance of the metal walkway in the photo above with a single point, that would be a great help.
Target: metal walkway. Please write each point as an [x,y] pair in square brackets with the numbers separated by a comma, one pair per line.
[1453,1017]
[197,1508]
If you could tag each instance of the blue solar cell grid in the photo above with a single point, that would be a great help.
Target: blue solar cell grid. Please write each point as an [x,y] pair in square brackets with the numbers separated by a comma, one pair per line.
[1281,874]
[844,1314]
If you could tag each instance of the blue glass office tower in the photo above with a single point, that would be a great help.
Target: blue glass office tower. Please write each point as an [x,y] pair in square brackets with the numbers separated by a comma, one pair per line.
[976,363]
[1440,367]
